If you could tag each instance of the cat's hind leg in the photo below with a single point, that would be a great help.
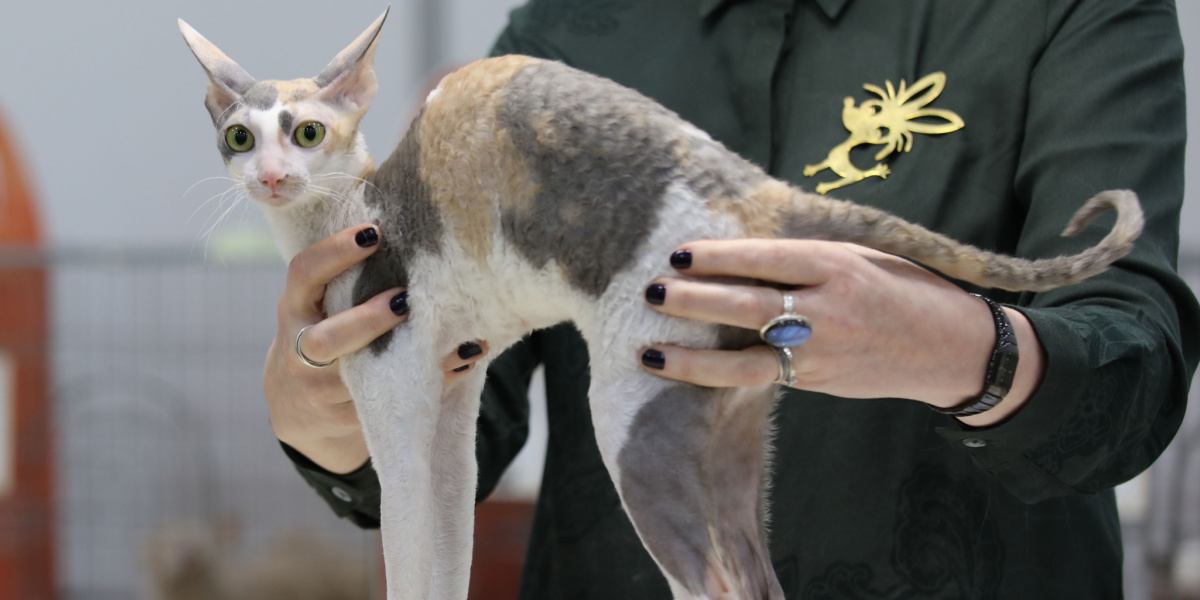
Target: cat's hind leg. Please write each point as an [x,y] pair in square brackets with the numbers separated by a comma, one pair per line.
[690,465]
[454,471]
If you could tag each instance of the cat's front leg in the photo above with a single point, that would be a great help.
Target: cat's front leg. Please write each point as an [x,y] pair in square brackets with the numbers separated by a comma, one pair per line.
[398,409]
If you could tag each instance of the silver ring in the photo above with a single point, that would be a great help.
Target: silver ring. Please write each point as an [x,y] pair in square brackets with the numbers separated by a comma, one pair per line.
[788,330]
[787,376]
[308,361]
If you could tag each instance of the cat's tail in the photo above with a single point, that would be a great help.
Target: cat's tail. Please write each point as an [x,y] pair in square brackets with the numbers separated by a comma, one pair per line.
[817,217]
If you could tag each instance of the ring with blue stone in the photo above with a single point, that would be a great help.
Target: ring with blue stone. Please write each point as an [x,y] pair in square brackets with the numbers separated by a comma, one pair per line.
[788,330]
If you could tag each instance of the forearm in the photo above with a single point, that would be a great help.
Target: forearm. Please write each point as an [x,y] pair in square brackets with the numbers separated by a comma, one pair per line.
[337,454]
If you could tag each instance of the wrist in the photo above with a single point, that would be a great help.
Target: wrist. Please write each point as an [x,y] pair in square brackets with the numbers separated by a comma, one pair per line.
[1026,379]
[964,355]
[337,454]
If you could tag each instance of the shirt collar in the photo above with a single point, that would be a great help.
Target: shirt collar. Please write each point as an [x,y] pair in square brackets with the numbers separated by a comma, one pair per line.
[832,8]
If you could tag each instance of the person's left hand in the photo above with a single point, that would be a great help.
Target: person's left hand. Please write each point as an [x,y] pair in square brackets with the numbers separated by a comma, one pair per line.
[882,326]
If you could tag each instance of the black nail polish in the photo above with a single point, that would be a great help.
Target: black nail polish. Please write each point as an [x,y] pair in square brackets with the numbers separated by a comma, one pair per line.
[367,237]
[656,294]
[461,369]
[399,304]
[681,259]
[654,359]
[468,350]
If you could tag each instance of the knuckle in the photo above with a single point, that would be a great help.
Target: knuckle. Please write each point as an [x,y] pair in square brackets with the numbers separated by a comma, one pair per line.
[749,304]
[775,254]
[841,285]
[757,369]
[317,344]
[765,304]
[299,268]
[682,369]
[681,298]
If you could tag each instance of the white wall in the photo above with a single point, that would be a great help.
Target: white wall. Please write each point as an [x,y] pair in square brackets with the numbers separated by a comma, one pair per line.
[107,100]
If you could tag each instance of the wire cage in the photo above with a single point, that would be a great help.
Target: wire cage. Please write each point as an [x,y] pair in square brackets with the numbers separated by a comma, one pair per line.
[166,460]
[165,464]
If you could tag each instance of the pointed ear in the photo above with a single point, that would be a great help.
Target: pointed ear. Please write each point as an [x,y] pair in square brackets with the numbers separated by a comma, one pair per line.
[350,77]
[227,79]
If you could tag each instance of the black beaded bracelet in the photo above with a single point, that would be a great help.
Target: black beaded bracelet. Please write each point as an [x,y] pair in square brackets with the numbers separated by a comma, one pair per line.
[1002,366]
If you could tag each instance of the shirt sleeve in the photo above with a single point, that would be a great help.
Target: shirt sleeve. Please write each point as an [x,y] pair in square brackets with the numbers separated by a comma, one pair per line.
[1105,111]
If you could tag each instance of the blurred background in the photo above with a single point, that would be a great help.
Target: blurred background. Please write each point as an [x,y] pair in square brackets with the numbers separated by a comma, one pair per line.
[136,301]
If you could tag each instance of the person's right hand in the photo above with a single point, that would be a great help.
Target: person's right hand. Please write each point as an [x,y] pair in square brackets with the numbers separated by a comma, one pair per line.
[310,408]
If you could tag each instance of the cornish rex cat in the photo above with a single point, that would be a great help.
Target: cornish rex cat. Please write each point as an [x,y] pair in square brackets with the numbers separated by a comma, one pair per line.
[527,193]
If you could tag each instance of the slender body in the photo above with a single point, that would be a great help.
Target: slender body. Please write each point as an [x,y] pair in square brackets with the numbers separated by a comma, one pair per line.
[527,193]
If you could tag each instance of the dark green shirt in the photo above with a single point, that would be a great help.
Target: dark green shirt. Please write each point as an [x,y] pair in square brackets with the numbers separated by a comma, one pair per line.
[886,499]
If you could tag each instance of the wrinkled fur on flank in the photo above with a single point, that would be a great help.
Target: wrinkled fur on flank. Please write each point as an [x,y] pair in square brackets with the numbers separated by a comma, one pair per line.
[528,193]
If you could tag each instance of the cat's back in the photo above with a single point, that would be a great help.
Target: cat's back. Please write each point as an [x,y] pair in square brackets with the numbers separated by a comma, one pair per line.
[528,132]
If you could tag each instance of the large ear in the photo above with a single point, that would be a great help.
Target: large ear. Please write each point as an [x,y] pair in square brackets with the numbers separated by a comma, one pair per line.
[350,77]
[227,79]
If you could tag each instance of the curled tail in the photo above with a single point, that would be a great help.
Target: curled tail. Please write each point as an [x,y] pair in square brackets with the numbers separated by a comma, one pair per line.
[817,217]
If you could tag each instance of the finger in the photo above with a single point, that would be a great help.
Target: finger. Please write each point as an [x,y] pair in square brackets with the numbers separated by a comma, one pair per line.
[795,262]
[746,306]
[464,357]
[755,365]
[353,329]
[314,267]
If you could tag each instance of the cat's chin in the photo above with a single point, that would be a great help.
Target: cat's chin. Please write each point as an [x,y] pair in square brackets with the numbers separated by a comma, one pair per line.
[273,201]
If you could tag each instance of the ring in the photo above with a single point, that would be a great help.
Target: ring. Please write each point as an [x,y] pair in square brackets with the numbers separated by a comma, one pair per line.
[308,361]
[787,376]
[789,329]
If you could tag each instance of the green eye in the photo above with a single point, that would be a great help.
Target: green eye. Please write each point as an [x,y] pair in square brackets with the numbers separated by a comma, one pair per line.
[239,139]
[309,134]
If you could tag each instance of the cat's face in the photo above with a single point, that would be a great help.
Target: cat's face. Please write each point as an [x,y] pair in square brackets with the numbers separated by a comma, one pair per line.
[291,142]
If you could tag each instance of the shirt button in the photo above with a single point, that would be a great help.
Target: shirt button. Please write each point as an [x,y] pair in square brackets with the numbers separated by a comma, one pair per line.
[974,443]
[341,494]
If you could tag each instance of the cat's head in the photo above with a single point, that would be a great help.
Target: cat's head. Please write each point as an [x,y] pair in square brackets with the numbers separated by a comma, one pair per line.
[290,142]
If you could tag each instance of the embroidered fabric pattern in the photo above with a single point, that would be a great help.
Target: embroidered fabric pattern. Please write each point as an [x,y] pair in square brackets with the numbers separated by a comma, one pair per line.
[943,548]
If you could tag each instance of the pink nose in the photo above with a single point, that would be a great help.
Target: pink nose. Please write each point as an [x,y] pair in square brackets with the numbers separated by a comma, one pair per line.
[271,180]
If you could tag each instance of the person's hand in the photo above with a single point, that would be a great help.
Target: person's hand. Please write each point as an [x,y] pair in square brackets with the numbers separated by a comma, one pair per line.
[882,326]
[309,407]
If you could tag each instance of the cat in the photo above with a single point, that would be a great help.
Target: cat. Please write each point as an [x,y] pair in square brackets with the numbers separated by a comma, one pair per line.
[527,193]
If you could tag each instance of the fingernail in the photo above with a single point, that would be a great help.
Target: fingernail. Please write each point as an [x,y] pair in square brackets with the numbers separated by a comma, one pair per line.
[656,294]
[654,359]
[461,369]
[681,259]
[367,237]
[399,304]
[468,350]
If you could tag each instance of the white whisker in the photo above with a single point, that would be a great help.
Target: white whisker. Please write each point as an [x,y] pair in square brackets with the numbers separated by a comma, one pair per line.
[219,195]
[205,180]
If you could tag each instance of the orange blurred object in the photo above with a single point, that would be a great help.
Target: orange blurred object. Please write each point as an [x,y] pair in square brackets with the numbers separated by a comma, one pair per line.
[27,475]
[501,538]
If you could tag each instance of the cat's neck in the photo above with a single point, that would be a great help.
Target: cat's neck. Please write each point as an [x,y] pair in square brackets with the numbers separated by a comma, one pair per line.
[308,220]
